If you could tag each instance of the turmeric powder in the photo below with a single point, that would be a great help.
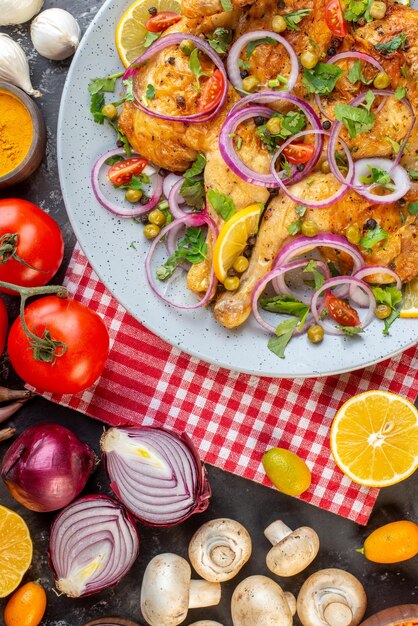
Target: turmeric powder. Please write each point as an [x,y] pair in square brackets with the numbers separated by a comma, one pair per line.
[16,132]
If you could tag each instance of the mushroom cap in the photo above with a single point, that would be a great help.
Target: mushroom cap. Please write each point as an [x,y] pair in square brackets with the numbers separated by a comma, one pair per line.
[294,552]
[219,549]
[165,590]
[259,601]
[331,596]
[206,622]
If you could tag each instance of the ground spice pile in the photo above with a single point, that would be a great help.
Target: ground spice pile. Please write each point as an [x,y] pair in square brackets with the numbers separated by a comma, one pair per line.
[16,132]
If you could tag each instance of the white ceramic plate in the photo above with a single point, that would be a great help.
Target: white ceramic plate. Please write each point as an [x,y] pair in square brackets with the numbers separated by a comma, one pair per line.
[107,240]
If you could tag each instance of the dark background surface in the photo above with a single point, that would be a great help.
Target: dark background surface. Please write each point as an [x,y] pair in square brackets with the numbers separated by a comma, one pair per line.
[253,505]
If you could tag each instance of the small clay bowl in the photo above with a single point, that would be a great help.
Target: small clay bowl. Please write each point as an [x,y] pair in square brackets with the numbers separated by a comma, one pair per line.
[394,616]
[37,149]
[111,621]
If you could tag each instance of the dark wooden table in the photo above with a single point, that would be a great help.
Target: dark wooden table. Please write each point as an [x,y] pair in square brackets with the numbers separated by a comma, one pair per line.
[255,506]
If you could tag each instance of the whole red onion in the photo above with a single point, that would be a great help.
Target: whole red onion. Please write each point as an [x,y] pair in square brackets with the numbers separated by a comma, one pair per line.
[47,467]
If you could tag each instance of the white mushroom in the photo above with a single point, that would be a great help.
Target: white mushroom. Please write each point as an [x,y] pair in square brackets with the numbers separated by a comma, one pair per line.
[292,551]
[333,597]
[259,601]
[206,622]
[219,549]
[168,592]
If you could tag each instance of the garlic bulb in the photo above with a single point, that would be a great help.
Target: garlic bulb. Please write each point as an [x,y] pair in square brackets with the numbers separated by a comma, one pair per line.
[14,66]
[55,34]
[18,11]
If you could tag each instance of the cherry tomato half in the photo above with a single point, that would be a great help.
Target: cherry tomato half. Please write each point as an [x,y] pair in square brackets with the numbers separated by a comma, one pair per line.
[340,311]
[3,326]
[121,173]
[161,21]
[299,152]
[31,244]
[334,18]
[81,330]
[212,92]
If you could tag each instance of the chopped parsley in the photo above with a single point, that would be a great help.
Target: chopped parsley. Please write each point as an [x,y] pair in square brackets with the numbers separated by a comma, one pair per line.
[356,9]
[291,123]
[226,5]
[397,43]
[395,145]
[318,277]
[258,42]
[129,90]
[391,296]
[116,158]
[292,19]
[150,38]
[379,177]
[413,174]
[279,81]
[286,305]
[136,182]
[195,67]
[191,248]
[295,227]
[400,92]
[351,330]
[193,188]
[150,92]
[355,74]
[222,204]
[97,102]
[284,333]
[322,78]
[373,237]
[108,84]
[413,208]
[220,39]
[356,119]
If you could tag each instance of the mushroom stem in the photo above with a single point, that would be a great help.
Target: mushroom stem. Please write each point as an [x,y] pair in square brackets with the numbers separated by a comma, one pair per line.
[336,611]
[203,593]
[291,601]
[277,531]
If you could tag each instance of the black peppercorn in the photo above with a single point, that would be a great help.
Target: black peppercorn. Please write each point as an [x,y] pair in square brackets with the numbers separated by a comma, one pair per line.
[144,200]
[281,4]
[119,143]
[153,10]
[244,73]
[232,272]
[171,60]
[401,201]
[259,120]
[326,124]
[361,21]
[300,167]
[248,252]
[180,101]
[336,43]
[370,224]
[331,51]
[251,240]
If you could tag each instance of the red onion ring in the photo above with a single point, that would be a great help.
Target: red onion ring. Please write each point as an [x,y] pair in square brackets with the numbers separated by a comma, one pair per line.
[172,40]
[192,219]
[280,286]
[359,297]
[114,208]
[94,543]
[317,306]
[238,114]
[241,42]
[301,245]
[173,199]
[340,193]
[169,181]
[399,175]
[156,474]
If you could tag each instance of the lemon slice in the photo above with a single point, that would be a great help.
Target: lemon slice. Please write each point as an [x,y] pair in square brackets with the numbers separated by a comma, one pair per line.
[15,550]
[410,299]
[374,438]
[233,238]
[131,31]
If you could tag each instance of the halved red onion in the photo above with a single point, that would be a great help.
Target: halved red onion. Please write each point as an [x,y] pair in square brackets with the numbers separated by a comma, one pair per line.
[280,286]
[192,219]
[399,175]
[357,296]
[241,112]
[94,543]
[346,281]
[283,184]
[156,474]
[111,206]
[302,245]
[232,63]
[172,40]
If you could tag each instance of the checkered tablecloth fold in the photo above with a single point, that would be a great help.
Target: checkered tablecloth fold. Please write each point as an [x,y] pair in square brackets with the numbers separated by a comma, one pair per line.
[232,418]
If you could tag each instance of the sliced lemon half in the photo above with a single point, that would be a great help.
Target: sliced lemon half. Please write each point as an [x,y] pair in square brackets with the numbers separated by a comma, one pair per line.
[131,31]
[410,299]
[233,238]
[15,550]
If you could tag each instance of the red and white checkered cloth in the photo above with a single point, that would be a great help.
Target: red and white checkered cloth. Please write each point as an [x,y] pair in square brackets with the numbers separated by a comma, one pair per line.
[232,418]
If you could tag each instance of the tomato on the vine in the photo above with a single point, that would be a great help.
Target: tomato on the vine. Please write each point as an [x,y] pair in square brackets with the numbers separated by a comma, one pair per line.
[299,152]
[341,311]
[31,244]
[81,345]
[3,326]
[212,92]
[159,22]
[334,18]
[121,173]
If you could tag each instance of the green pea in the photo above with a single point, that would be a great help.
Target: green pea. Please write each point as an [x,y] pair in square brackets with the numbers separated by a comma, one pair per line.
[378,10]
[278,24]
[315,333]
[382,311]
[110,111]
[231,283]
[133,195]
[274,125]
[250,83]
[187,46]
[353,234]
[241,264]
[309,228]
[309,59]
[381,80]
[151,231]
[325,167]
[156,217]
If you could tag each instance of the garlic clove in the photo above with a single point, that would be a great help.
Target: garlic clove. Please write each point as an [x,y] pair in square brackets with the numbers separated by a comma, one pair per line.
[14,66]
[13,12]
[55,34]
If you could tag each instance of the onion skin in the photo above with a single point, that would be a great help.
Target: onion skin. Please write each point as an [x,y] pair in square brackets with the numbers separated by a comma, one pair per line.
[47,467]
[202,492]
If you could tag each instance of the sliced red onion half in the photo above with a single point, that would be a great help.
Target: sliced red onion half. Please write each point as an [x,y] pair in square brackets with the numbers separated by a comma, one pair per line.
[115,208]
[302,245]
[315,204]
[346,281]
[241,112]
[232,63]
[401,181]
[280,286]
[192,219]
[173,40]
[94,543]
[156,474]
[387,276]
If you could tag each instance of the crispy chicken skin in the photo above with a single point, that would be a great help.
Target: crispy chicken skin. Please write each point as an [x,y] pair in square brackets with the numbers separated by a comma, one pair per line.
[175,145]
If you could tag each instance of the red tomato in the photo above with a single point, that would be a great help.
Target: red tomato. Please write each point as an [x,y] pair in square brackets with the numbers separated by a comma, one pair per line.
[28,237]
[340,311]
[3,326]
[334,18]
[161,21]
[299,152]
[212,92]
[121,173]
[81,330]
